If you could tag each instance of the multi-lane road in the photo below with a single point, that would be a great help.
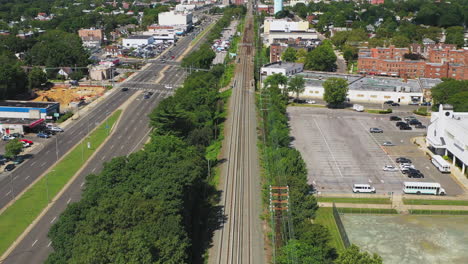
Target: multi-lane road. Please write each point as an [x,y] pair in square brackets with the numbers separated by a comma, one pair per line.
[128,136]
[240,238]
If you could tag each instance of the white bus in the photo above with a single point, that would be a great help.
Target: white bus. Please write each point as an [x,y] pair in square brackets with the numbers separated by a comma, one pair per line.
[423,188]
[440,163]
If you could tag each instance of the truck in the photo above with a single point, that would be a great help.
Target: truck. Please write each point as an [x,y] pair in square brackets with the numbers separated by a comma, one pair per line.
[358,108]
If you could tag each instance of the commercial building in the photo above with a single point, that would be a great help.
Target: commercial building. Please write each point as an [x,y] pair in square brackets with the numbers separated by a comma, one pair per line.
[284,30]
[137,41]
[284,68]
[28,110]
[447,135]
[173,18]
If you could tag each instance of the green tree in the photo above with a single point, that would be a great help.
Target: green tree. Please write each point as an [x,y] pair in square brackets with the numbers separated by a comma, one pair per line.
[276,80]
[352,255]
[13,148]
[302,252]
[301,55]
[289,55]
[36,77]
[321,58]
[400,41]
[455,35]
[296,85]
[452,92]
[76,75]
[336,90]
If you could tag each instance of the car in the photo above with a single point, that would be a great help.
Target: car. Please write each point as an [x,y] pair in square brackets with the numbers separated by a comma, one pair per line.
[124,89]
[55,129]
[25,144]
[390,168]
[43,135]
[412,173]
[405,127]
[18,160]
[7,137]
[395,118]
[414,122]
[388,143]
[426,104]
[9,167]
[26,141]
[389,102]
[375,130]
[395,104]
[408,118]
[310,101]
[405,167]
[403,160]
[400,123]
[420,126]
[17,135]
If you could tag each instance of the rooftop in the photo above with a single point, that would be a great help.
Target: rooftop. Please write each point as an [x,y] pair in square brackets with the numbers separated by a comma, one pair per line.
[139,37]
[21,121]
[281,65]
[27,104]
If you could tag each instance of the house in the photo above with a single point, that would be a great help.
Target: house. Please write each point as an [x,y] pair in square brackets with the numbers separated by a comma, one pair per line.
[112,51]
[65,72]
[284,68]
[91,42]
[101,72]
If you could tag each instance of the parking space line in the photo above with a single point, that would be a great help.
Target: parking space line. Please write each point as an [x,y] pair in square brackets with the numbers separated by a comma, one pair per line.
[8,193]
[69,200]
[32,164]
[48,245]
[27,177]
[34,243]
[53,220]
[328,146]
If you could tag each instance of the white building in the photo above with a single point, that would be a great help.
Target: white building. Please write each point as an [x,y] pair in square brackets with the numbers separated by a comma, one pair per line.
[171,18]
[286,29]
[284,68]
[137,41]
[448,135]
[309,35]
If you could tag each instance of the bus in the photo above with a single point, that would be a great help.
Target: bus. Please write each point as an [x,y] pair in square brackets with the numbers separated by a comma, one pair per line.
[433,188]
[440,163]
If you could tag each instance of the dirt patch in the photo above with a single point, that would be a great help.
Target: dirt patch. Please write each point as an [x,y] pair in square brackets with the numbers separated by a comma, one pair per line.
[65,94]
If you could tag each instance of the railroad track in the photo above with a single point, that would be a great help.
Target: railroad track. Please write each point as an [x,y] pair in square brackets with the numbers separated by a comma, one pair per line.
[240,239]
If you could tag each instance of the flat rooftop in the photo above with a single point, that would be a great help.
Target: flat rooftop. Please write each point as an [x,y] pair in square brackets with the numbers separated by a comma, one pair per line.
[20,121]
[138,37]
[27,104]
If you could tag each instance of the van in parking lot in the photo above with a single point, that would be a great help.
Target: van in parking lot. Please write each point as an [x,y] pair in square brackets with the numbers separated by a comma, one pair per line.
[363,188]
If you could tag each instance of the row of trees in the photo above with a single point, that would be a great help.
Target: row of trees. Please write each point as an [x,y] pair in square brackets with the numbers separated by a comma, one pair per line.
[309,243]
[322,58]
[451,92]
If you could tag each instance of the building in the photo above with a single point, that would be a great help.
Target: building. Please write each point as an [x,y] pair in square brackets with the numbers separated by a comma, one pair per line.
[283,25]
[173,18]
[112,51]
[284,68]
[277,48]
[163,33]
[265,8]
[283,30]
[100,72]
[447,135]
[376,2]
[91,32]
[28,110]
[137,41]
[91,42]
[370,89]
[278,5]
[435,61]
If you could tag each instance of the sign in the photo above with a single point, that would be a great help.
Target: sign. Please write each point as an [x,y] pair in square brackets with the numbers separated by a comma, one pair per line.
[56,114]
[49,117]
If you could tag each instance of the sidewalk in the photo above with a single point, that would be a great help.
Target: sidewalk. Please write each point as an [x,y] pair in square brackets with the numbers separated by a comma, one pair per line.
[401,208]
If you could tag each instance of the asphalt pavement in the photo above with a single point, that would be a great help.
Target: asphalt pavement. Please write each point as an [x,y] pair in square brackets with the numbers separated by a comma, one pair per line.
[129,136]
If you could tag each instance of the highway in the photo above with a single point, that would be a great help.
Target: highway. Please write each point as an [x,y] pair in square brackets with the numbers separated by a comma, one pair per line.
[129,136]
[240,238]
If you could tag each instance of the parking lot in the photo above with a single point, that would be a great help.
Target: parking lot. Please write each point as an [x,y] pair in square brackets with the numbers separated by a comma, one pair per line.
[339,150]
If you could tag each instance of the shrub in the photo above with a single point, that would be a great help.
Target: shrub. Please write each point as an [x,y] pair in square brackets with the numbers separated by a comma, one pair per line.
[64,117]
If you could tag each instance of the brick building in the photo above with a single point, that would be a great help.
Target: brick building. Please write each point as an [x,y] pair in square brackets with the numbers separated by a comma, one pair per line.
[440,61]
[91,32]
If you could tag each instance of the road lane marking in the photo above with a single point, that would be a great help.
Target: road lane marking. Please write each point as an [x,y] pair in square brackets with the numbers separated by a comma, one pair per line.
[93,170]
[48,245]
[82,184]
[15,178]
[26,178]
[103,157]
[69,200]
[34,243]
[8,193]
[53,220]
[32,164]
[42,165]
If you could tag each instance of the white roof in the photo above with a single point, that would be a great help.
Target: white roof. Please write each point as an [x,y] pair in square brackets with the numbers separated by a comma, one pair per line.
[422,184]
[361,185]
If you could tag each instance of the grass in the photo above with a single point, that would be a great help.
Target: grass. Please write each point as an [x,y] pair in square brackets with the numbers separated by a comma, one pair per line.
[16,218]
[307,105]
[435,202]
[324,216]
[377,111]
[438,212]
[354,200]
[367,211]
[203,33]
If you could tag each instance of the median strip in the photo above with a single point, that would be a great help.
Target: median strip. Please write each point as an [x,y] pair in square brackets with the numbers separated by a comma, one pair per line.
[16,218]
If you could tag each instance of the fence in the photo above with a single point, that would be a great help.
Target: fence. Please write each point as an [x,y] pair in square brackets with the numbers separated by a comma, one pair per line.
[340,226]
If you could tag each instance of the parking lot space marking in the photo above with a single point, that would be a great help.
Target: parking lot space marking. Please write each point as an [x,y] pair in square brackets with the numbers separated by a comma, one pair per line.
[93,170]
[82,184]
[27,177]
[69,200]
[42,165]
[8,193]
[35,241]
[32,164]
[53,219]
[328,147]
[48,245]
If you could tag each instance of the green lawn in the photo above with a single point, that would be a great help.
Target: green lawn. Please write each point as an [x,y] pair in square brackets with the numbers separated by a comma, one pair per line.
[354,200]
[367,211]
[324,216]
[438,212]
[435,202]
[21,214]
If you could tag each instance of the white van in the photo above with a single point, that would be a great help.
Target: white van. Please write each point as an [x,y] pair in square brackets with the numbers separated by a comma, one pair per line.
[363,188]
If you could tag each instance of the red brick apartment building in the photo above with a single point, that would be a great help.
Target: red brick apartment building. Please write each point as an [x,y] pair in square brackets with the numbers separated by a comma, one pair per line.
[441,61]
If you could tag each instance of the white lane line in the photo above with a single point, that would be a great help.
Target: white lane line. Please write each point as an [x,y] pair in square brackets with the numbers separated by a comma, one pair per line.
[48,245]
[112,146]
[42,165]
[93,170]
[27,177]
[69,200]
[328,147]
[7,193]
[82,184]
[53,220]
[34,243]
[103,157]
[15,178]
[32,164]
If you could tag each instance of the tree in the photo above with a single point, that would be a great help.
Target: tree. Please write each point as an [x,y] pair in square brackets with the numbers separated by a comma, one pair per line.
[352,255]
[452,92]
[36,77]
[455,35]
[76,75]
[275,80]
[296,85]
[289,55]
[400,41]
[336,90]
[321,58]
[13,148]
[301,55]
[304,253]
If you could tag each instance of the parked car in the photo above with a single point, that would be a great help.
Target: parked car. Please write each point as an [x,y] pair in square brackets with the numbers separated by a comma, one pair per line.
[426,104]
[402,160]
[25,144]
[420,126]
[400,123]
[17,135]
[375,130]
[18,160]
[395,118]
[408,118]
[414,122]
[389,102]
[412,173]
[55,129]
[388,143]
[395,104]
[310,101]
[390,168]
[27,141]
[9,167]
[7,137]
[406,127]
[43,135]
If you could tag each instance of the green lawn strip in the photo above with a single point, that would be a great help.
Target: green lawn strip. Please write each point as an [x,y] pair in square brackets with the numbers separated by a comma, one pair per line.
[438,212]
[367,210]
[354,200]
[324,216]
[203,33]
[21,214]
[435,202]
